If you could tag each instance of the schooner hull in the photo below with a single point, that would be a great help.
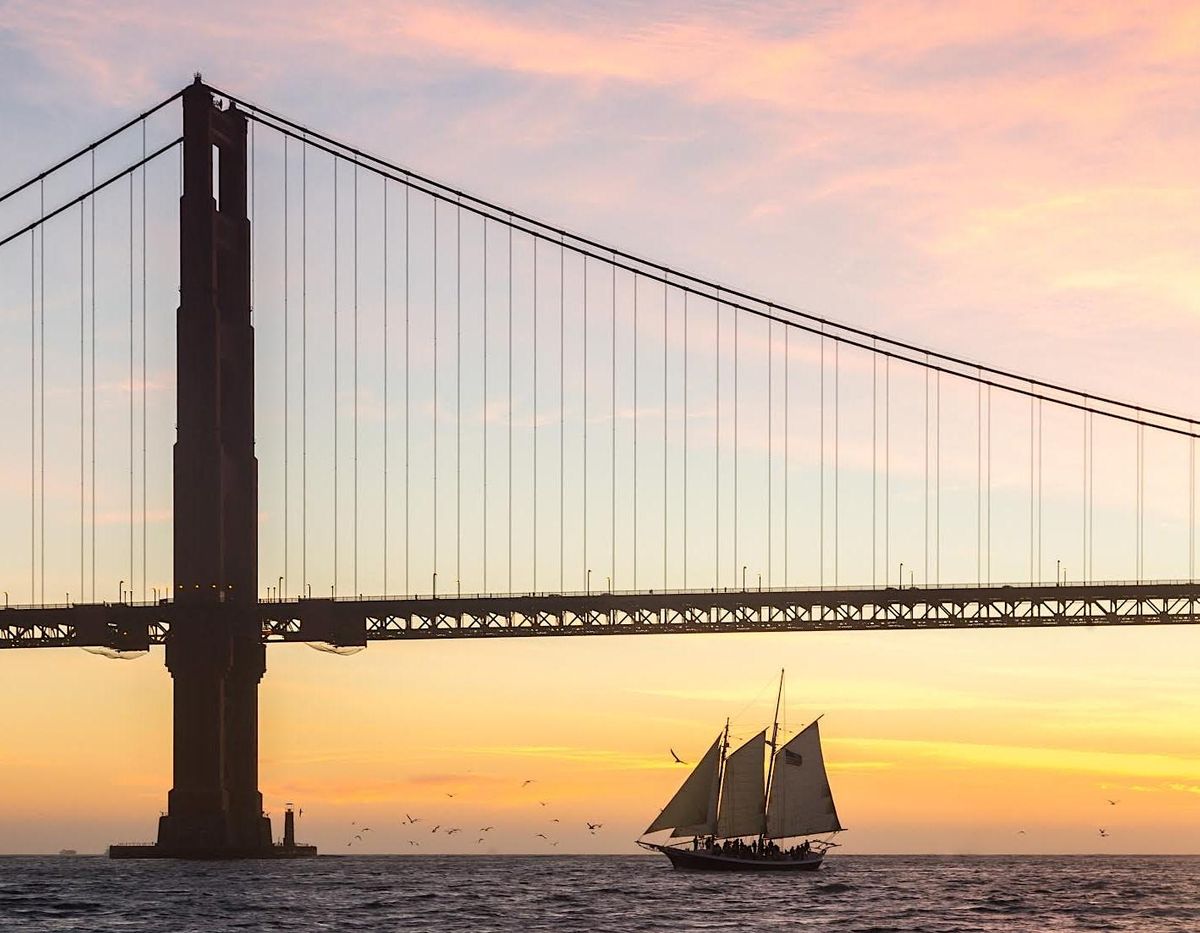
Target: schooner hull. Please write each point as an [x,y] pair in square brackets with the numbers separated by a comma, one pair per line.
[689,860]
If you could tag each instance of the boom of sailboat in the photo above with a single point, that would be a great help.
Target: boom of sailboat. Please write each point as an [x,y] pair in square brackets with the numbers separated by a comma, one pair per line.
[726,800]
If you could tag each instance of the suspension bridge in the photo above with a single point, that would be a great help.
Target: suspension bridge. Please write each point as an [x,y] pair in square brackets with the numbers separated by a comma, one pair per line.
[382,384]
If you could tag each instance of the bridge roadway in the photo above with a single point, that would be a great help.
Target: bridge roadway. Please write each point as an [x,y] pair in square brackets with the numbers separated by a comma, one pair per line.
[348,622]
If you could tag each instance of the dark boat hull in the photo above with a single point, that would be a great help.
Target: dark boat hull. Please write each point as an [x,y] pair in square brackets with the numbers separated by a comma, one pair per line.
[699,860]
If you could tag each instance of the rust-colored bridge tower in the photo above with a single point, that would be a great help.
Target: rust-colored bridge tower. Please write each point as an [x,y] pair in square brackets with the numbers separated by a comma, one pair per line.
[215,651]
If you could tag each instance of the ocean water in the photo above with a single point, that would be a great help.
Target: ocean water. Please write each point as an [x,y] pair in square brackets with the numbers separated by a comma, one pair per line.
[855,894]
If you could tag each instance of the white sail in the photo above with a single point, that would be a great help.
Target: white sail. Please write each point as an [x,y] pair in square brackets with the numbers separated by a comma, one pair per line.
[741,810]
[694,805]
[801,802]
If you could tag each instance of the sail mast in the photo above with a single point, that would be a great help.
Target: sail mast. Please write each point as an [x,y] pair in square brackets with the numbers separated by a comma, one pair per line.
[771,763]
[721,765]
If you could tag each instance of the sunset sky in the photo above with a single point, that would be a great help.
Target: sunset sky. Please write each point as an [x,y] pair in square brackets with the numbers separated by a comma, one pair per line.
[1013,182]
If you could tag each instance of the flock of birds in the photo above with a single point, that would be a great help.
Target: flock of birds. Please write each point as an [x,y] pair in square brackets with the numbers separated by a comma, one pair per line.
[1104,833]
[359,832]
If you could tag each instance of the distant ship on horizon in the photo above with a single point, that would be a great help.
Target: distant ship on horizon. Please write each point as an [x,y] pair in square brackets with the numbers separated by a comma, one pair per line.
[727,817]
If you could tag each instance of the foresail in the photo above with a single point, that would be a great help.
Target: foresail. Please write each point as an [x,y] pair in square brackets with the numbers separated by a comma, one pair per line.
[741,812]
[694,805]
[801,802]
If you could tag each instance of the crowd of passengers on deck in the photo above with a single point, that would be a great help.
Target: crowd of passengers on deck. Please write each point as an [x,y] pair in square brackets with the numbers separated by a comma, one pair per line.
[736,848]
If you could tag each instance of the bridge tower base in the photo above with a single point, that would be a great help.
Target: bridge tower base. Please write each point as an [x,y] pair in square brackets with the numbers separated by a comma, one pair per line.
[214,651]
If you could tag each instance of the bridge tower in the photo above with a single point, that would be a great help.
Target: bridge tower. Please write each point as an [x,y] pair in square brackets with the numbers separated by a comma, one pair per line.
[215,651]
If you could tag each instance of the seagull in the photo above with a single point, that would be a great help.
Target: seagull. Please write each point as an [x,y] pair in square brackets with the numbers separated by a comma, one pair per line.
[542,836]
[554,843]
[1020,832]
[595,826]
[358,836]
[477,841]
[436,828]
[413,819]
[366,829]
[486,829]
[452,831]
[543,803]
[678,760]
[526,783]
[449,795]
[413,843]
[1104,833]
[1113,803]
[556,820]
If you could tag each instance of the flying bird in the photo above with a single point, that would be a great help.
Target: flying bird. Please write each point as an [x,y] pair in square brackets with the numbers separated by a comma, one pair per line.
[1113,803]
[477,841]
[678,760]
[413,819]
[453,830]
[436,828]
[412,842]
[554,843]
[542,803]
[542,836]
[301,813]
[366,829]
[358,836]
[1104,834]
[526,783]
[1020,832]
[556,820]
[595,826]
[486,829]
[449,795]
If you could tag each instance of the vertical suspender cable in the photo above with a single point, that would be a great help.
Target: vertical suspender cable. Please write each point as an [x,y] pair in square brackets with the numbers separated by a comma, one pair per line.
[837,461]
[736,490]
[937,499]
[613,442]
[821,469]
[562,408]
[33,598]
[82,522]
[770,447]
[407,406]
[635,429]
[686,412]
[874,471]
[584,489]
[989,486]
[386,362]
[336,488]
[887,467]
[925,511]
[510,406]
[434,201]
[144,513]
[665,452]
[92,466]
[132,395]
[286,249]
[534,509]
[32,417]
[355,523]
[979,483]
[484,410]
[303,367]
[1040,562]
[787,450]
[458,397]
[42,390]
[717,446]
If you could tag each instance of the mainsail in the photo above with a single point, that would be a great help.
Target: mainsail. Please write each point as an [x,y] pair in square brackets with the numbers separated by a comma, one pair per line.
[693,808]
[801,801]
[741,812]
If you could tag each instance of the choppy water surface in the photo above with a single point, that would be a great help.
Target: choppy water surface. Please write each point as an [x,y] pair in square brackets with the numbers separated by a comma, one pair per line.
[857,894]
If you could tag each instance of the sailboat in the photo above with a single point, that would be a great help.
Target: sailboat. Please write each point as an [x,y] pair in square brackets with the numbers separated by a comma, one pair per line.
[727,817]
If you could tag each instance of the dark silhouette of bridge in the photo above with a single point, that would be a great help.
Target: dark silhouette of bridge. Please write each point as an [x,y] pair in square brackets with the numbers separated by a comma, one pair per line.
[215,626]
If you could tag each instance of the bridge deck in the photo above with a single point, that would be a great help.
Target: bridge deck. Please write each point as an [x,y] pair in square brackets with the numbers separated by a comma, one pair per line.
[349,622]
